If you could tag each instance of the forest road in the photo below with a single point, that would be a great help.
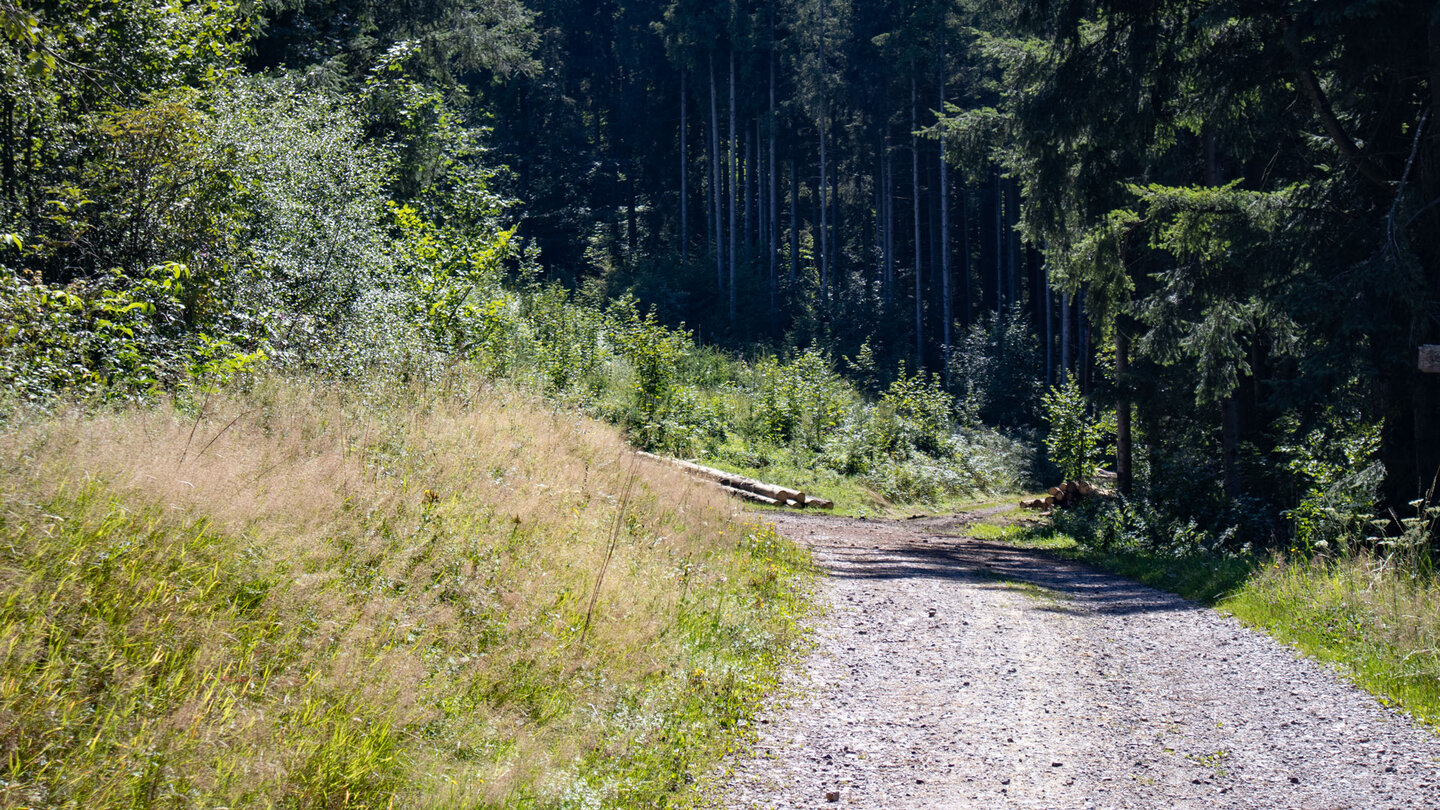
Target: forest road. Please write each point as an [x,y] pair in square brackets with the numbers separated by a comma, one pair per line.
[955,673]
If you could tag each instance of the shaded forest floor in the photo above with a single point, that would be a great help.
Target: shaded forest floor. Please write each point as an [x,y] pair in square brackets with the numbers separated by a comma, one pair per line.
[951,671]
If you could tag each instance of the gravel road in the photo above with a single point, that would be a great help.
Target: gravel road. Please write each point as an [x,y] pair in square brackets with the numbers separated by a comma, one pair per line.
[955,673]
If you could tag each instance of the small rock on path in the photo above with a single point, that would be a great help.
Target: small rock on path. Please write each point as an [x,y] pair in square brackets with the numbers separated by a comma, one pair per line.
[955,673]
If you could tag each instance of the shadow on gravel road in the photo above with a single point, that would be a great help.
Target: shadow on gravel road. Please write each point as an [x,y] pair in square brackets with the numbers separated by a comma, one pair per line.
[1085,589]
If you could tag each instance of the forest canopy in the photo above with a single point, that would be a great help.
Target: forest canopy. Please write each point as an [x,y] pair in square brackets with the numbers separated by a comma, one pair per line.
[1219,220]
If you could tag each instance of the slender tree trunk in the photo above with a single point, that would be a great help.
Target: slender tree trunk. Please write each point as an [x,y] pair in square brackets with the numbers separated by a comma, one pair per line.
[880,222]
[1065,337]
[733,179]
[748,172]
[794,222]
[774,241]
[7,157]
[999,243]
[1229,406]
[945,243]
[965,303]
[1123,476]
[1049,325]
[915,208]
[887,172]
[1012,237]
[684,177]
[632,230]
[715,185]
[821,132]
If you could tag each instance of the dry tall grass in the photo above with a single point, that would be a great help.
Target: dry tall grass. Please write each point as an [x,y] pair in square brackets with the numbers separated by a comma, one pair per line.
[308,597]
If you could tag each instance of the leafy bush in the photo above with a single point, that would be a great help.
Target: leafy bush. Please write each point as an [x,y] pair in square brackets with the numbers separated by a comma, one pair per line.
[316,242]
[1341,481]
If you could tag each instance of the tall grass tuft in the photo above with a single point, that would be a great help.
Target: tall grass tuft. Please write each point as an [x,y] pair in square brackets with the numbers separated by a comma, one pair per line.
[353,600]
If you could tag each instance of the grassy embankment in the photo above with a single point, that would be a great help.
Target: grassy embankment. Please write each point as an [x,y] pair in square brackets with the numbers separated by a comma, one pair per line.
[309,598]
[1375,620]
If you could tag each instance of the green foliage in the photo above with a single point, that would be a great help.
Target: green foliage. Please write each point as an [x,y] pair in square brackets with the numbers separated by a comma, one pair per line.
[320,264]
[1335,464]
[801,402]
[1076,438]
[998,366]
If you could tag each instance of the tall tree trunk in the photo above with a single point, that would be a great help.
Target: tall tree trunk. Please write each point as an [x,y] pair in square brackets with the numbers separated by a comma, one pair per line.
[632,229]
[1000,285]
[887,170]
[684,177]
[794,222]
[1230,405]
[1066,314]
[748,172]
[821,131]
[1049,325]
[915,207]
[715,185]
[732,178]
[1123,476]
[774,241]
[966,305]
[945,242]
[1012,237]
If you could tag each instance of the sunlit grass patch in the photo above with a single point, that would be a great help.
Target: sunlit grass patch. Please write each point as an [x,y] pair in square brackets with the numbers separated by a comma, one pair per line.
[316,598]
[1379,624]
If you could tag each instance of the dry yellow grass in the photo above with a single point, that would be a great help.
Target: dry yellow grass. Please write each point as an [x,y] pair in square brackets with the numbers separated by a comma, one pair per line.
[309,597]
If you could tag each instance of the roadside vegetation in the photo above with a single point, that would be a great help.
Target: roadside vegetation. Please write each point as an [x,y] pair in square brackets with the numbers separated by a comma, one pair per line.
[313,596]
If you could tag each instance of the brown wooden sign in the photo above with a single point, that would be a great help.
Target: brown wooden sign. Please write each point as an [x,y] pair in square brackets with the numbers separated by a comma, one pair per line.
[1430,359]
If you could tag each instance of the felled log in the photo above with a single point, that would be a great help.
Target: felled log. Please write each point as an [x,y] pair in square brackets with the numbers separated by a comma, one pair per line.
[747,495]
[744,487]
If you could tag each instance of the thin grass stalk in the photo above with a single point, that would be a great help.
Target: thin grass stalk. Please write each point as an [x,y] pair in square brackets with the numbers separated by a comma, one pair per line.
[610,548]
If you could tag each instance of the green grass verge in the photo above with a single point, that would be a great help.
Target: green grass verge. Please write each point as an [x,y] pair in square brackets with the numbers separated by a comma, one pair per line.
[1377,623]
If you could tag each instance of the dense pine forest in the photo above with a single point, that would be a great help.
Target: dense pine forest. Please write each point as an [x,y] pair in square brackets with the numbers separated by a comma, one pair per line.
[1217,219]
[327,326]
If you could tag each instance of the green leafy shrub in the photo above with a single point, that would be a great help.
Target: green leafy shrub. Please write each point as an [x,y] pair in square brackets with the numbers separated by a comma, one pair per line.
[1075,438]
[1341,479]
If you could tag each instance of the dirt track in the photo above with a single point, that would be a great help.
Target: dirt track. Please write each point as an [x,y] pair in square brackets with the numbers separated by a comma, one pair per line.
[955,673]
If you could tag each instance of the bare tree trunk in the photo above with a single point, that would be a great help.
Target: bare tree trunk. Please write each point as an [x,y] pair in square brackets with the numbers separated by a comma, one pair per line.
[1230,405]
[915,207]
[965,303]
[774,240]
[945,243]
[1065,316]
[794,222]
[887,169]
[1012,237]
[715,186]
[684,177]
[748,172]
[820,129]
[1124,479]
[732,177]
[999,244]
[1049,325]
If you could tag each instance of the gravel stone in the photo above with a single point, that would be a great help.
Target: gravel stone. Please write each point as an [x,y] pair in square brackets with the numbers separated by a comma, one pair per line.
[955,673]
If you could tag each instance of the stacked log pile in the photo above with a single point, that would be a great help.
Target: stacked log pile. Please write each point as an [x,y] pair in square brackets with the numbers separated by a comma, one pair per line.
[748,489]
[1066,495]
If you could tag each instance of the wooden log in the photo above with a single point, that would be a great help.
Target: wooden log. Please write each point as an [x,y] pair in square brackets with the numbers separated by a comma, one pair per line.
[812,502]
[776,495]
[745,494]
